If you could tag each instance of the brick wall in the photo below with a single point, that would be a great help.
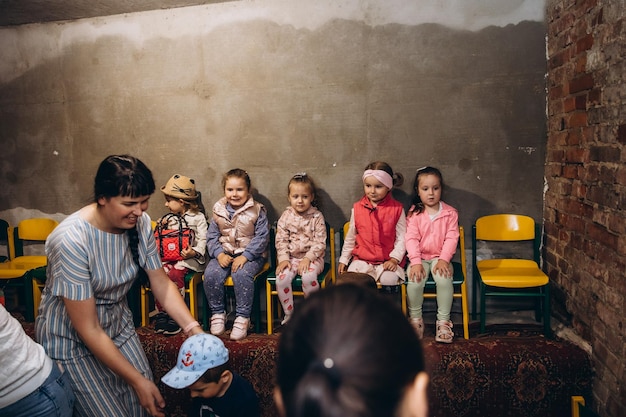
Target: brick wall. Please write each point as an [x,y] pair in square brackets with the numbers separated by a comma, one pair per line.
[585,247]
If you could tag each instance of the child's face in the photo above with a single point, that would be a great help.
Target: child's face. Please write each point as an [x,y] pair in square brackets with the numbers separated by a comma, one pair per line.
[374,190]
[300,197]
[206,389]
[236,191]
[429,190]
[175,205]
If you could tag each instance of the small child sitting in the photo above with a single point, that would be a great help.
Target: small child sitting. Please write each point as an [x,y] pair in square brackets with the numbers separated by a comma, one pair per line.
[203,367]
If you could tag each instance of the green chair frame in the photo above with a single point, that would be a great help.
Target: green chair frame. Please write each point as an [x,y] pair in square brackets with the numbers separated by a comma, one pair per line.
[327,276]
[518,277]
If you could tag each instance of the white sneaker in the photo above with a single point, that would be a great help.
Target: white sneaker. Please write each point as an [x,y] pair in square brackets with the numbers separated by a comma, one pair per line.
[240,328]
[217,323]
[418,325]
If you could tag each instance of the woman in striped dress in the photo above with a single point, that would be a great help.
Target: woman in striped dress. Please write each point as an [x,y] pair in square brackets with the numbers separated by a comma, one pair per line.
[84,321]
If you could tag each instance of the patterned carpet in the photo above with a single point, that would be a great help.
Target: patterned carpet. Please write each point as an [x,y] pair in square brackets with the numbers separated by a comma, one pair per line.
[511,371]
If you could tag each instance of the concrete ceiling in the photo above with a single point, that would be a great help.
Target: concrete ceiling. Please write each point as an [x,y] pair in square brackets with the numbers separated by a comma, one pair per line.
[19,12]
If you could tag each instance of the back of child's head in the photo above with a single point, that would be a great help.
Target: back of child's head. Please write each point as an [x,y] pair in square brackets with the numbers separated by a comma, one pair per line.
[417,206]
[347,352]
[237,173]
[398,178]
[200,356]
[357,278]
[303,178]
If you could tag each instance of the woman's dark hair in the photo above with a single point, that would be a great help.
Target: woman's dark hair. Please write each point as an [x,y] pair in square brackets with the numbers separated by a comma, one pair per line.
[303,178]
[127,176]
[398,178]
[417,206]
[122,175]
[347,352]
[237,173]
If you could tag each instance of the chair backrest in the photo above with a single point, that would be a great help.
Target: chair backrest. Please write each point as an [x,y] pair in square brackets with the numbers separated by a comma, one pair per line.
[4,238]
[36,229]
[507,228]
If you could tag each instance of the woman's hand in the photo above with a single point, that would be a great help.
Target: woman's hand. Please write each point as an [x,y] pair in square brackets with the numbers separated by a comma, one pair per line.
[341,268]
[149,397]
[417,273]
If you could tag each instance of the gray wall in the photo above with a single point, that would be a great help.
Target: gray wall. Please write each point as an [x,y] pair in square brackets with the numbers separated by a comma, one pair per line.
[277,87]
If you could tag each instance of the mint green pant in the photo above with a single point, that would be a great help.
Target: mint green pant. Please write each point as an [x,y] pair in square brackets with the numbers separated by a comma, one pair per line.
[445,293]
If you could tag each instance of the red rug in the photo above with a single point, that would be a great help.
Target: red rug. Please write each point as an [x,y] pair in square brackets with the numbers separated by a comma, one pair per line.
[512,371]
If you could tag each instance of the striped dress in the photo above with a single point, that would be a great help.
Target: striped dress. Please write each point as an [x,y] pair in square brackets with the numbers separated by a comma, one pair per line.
[85,262]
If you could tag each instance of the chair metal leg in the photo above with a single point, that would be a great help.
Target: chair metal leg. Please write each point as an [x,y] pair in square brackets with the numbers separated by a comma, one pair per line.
[482,308]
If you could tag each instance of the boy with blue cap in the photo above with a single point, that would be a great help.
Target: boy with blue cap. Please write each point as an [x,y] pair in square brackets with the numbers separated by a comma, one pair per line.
[216,391]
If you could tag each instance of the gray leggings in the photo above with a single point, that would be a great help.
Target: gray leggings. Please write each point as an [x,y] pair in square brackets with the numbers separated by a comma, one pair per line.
[445,293]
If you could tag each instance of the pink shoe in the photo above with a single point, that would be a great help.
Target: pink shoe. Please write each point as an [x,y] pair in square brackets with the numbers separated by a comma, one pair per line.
[444,331]
[240,328]
[418,325]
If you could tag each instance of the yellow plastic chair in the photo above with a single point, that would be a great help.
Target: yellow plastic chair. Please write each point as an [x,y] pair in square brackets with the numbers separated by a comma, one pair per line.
[15,272]
[459,281]
[402,286]
[510,275]
[192,280]
[4,239]
[326,277]
[579,409]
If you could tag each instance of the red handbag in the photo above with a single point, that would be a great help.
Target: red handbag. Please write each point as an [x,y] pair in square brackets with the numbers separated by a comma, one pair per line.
[171,240]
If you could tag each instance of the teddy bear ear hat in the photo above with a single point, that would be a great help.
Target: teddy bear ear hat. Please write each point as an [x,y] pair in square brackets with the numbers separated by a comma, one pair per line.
[180,186]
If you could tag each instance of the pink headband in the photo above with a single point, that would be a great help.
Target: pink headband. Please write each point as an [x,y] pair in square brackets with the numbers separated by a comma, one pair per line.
[381,176]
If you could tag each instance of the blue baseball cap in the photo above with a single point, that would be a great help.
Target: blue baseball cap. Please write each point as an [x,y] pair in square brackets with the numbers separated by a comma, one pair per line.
[197,354]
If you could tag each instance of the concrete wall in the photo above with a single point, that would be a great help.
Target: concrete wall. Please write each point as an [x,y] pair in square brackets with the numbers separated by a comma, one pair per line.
[277,87]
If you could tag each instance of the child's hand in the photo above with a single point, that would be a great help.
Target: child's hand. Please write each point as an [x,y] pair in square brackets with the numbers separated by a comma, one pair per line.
[188,253]
[303,266]
[417,273]
[224,260]
[238,263]
[443,268]
[341,268]
[282,266]
[391,264]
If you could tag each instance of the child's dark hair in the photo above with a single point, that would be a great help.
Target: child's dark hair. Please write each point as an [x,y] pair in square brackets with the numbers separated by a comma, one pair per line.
[237,173]
[214,374]
[398,178]
[417,206]
[337,358]
[303,178]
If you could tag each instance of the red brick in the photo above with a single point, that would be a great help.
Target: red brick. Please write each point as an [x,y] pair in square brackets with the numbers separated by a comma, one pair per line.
[569,104]
[585,43]
[576,156]
[621,134]
[602,236]
[584,82]
[594,97]
[578,119]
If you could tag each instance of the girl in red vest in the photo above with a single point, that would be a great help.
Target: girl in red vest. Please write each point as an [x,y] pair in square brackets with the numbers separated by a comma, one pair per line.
[374,243]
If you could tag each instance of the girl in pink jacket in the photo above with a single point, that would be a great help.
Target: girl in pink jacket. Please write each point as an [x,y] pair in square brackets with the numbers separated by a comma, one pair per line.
[300,242]
[431,239]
